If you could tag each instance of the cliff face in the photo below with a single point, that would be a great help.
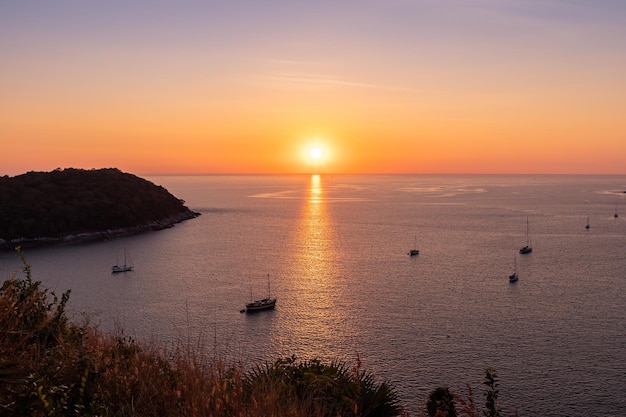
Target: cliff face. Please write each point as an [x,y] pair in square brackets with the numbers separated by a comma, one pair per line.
[70,205]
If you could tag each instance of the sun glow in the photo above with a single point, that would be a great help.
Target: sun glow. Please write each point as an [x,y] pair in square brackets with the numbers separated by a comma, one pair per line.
[316,153]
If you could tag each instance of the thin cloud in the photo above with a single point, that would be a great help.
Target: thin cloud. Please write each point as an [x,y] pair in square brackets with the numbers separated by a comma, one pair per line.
[314,75]
[321,81]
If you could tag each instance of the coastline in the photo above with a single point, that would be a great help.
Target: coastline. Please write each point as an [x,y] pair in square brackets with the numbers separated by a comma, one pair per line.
[101,235]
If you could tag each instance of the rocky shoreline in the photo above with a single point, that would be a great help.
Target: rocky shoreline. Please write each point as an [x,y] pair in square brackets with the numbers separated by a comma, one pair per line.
[98,235]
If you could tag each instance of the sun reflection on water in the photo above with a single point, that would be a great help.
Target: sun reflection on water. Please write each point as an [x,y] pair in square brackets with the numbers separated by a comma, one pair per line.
[315,193]
[316,283]
[315,239]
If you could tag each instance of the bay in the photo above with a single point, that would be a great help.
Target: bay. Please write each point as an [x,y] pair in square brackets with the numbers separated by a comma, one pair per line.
[335,248]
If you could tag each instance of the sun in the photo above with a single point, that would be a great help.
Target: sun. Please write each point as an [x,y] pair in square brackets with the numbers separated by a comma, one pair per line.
[316,153]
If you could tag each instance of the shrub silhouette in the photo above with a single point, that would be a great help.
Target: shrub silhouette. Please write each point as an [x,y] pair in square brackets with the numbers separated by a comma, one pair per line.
[441,403]
[491,403]
[328,389]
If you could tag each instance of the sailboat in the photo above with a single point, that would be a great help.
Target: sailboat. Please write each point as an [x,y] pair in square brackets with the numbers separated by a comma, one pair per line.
[514,277]
[587,225]
[414,252]
[267,303]
[615,215]
[128,264]
[528,248]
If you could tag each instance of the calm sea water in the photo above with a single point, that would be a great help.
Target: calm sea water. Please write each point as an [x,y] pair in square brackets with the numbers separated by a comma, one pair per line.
[335,248]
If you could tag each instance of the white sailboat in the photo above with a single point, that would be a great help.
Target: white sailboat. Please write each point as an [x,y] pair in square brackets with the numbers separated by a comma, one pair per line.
[127,266]
[267,303]
[528,248]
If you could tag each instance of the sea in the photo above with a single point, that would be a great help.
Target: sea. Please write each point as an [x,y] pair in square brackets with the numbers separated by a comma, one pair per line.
[334,250]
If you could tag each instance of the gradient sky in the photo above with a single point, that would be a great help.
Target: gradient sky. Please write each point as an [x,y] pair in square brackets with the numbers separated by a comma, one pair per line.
[381,86]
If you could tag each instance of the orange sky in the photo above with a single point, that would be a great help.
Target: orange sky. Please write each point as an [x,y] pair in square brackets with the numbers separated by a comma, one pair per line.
[248,87]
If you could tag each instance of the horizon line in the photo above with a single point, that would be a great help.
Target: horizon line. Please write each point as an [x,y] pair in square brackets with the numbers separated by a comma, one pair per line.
[329,173]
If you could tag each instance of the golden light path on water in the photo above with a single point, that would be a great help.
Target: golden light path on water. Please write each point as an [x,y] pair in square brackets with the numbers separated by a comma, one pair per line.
[316,327]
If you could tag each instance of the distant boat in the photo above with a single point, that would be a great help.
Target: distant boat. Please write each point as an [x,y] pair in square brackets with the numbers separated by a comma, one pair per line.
[528,248]
[128,264]
[267,303]
[514,277]
[587,225]
[414,252]
[615,215]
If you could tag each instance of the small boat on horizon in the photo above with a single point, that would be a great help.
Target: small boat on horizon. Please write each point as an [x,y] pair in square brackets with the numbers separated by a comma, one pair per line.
[127,266]
[267,303]
[587,226]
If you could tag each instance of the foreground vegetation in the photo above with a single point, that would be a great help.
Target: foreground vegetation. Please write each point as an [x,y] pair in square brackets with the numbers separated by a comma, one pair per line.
[49,207]
[50,366]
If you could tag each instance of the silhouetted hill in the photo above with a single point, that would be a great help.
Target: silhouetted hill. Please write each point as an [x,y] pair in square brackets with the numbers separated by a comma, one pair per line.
[70,205]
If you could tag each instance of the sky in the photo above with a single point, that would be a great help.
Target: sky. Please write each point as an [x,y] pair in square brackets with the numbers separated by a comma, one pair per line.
[375,86]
